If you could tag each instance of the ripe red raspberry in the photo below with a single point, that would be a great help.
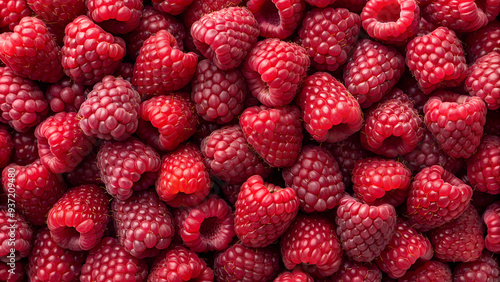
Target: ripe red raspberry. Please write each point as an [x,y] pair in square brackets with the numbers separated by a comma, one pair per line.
[274,133]
[22,103]
[161,66]
[484,269]
[277,18]
[483,41]
[432,270]
[364,230]
[6,146]
[229,157]
[328,36]
[78,220]
[392,128]
[201,7]
[320,3]
[174,116]
[111,110]
[376,181]
[90,53]
[357,271]
[115,16]
[35,188]
[297,275]
[61,142]
[183,179]
[218,94]
[153,21]
[329,111]
[460,239]
[14,228]
[31,51]
[393,21]
[86,172]
[57,12]
[263,212]
[126,166]
[25,147]
[483,167]
[372,71]
[436,197]
[180,264]
[226,36]
[316,179]
[491,217]
[273,70]
[456,122]
[65,96]
[172,7]
[436,60]
[18,275]
[311,242]
[241,263]
[483,80]
[404,249]
[11,12]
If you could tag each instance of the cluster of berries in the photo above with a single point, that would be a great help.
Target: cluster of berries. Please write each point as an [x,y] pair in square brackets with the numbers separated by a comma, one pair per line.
[258,140]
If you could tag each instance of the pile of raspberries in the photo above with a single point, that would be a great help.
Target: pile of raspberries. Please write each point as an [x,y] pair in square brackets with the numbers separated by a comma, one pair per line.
[249,140]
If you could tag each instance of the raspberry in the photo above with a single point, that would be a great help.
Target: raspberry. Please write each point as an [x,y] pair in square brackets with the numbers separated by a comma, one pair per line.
[296,275]
[241,263]
[311,242]
[483,41]
[432,270]
[111,110]
[277,18]
[25,147]
[90,53]
[274,133]
[372,71]
[226,36]
[18,275]
[218,94]
[115,16]
[125,70]
[6,146]
[229,157]
[425,27]
[126,165]
[153,21]
[36,189]
[483,80]
[483,166]
[183,179]
[436,197]
[198,8]
[377,181]
[49,262]
[273,70]
[436,60]
[65,96]
[11,12]
[161,66]
[230,192]
[174,116]
[172,7]
[393,21]
[364,230]
[263,212]
[491,217]
[320,3]
[86,172]
[456,122]
[57,12]
[328,36]
[31,51]
[20,235]
[356,271]
[392,128]
[22,103]
[78,220]
[329,111]
[484,269]
[404,249]
[61,142]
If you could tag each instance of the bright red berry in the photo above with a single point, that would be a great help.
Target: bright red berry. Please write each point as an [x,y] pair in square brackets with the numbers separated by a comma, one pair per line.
[57,12]
[432,270]
[357,271]
[172,7]
[14,228]
[115,16]
[66,95]
[277,18]
[483,167]
[484,269]
[11,12]
[491,218]
[483,79]
[483,41]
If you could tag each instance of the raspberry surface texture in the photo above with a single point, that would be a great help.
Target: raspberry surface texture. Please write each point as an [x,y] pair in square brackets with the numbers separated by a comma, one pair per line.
[483,80]
[6,147]
[66,95]
[11,12]
[483,41]
[277,18]
[25,147]
[432,270]
[486,269]
[118,17]
[172,7]
[357,271]
[483,168]
[491,218]
[21,236]
[57,12]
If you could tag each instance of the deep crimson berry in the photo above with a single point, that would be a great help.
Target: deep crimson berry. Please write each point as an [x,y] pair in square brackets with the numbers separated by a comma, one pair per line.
[483,41]
[86,172]
[432,270]
[11,12]
[14,228]
[297,275]
[172,7]
[484,269]
[57,12]
[491,218]
[483,80]
[483,167]
[277,18]
[66,95]
[201,7]
[25,147]
[115,16]
[16,275]
[357,271]
[6,146]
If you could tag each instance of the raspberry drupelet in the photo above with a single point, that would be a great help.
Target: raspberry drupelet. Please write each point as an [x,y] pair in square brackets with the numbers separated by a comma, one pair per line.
[172,7]
[484,269]
[277,18]
[201,7]
[432,270]
[296,275]
[118,17]
[6,147]
[21,235]
[25,147]
[357,271]
[11,12]
[66,95]
[483,167]
[57,12]
[483,80]
[482,41]
[491,218]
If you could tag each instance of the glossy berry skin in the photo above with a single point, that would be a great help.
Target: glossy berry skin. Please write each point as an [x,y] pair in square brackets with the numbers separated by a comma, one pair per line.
[180,264]
[175,68]
[57,12]
[357,271]
[491,218]
[364,230]
[110,261]
[31,51]
[483,80]
[226,36]
[6,147]
[296,275]
[436,60]
[372,71]
[78,220]
[11,12]
[484,269]
[328,35]
[273,70]
[436,197]
[483,166]
[172,7]
[66,95]
[183,178]
[277,18]
[483,41]
[118,17]
[22,103]
[429,271]
[241,263]
[456,122]
[90,53]
[392,22]
[14,230]
[263,212]
[330,113]
[405,247]
[201,7]
[316,179]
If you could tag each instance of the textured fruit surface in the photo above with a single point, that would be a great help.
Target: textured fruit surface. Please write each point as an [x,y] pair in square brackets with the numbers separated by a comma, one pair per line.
[483,80]
[357,271]
[483,41]
[277,18]
[66,95]
[115,16]
[6,147]
[483,167]
[11,12]
[484,269]
[432,270]
[15,236]
[491,218]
